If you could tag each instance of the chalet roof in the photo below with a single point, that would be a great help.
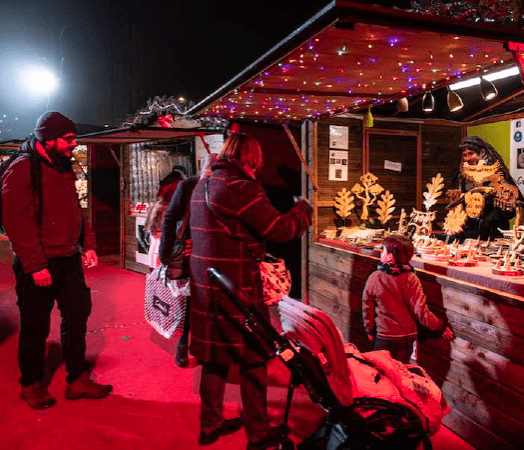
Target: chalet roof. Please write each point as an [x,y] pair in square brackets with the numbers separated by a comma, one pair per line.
[136,134]
[351,56]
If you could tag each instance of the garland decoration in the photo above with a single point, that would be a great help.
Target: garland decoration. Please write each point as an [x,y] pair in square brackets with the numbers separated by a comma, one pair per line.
[169,112]
[500,11]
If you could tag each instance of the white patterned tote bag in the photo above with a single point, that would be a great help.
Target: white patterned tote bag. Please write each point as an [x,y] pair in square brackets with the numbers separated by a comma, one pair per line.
[165,302]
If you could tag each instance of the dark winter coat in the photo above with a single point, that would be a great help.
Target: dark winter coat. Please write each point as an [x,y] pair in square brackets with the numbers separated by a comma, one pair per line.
[241,203]
[64,226]
[175,212]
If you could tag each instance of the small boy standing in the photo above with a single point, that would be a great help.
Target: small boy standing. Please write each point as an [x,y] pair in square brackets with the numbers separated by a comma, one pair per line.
[393,302]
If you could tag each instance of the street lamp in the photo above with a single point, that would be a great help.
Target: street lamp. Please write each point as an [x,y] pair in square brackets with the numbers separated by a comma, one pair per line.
[39,81]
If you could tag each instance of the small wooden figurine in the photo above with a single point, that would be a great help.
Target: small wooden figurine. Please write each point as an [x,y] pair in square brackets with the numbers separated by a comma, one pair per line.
[455,220]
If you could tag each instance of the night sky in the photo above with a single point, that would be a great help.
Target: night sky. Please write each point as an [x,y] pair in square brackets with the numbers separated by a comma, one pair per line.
[190,48]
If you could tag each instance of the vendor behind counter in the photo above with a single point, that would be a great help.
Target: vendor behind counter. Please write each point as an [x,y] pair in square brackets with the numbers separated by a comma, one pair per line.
[500,193]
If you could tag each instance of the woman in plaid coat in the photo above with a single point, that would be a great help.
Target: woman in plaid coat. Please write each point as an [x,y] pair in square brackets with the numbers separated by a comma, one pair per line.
[228,233]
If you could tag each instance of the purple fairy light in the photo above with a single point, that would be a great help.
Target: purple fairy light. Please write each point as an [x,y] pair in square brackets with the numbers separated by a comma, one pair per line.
[393,41]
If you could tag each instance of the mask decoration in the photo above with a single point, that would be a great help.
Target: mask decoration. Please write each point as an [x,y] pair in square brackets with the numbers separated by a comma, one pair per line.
[481,172]
[474,204]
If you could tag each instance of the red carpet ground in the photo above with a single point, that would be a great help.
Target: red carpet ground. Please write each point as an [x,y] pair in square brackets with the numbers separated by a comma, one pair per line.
[155,404]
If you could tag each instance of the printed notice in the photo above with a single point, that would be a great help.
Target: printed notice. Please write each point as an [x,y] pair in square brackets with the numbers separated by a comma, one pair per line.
[390,165]
[516,152]
[338,137]
[142,238]
[338,165]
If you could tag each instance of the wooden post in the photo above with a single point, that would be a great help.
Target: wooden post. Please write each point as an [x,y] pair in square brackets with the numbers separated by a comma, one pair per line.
[205,143]
[301,157]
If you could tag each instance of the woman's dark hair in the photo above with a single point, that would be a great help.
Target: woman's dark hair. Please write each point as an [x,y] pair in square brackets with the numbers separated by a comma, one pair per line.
[177,173]
[400,247]
[485,152]
[168,185]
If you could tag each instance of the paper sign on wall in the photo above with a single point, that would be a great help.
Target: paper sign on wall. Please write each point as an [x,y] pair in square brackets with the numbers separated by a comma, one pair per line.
[390,165]
[338,165]
[516,152]
[338,137]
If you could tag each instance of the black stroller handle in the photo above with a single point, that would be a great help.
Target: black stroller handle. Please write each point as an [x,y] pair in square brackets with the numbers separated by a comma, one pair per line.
[299,360]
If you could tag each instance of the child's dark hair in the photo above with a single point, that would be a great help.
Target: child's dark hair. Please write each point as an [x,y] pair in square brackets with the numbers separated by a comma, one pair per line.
[400,247]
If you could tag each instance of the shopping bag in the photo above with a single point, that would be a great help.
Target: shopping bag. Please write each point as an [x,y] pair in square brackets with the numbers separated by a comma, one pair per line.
[165,302]
[276,279]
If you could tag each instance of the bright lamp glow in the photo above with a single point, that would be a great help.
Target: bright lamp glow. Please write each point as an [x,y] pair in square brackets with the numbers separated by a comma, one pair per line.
[511,72]
[39,80]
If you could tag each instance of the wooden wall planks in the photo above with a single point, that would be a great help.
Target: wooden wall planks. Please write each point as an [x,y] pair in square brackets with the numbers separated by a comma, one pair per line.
[393,141]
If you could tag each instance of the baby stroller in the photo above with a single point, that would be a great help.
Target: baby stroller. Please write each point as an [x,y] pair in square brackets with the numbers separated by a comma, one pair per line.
[312,349]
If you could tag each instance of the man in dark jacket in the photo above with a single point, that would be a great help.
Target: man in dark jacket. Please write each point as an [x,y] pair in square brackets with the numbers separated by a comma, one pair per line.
[46,227]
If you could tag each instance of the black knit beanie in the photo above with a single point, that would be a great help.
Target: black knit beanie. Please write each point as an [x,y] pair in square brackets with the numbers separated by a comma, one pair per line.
[53,124]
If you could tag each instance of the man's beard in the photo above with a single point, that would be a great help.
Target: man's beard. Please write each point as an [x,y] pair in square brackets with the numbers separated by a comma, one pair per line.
[64,163]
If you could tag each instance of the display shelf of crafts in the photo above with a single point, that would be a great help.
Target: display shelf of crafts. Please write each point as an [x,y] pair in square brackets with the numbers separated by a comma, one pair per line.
[81,168]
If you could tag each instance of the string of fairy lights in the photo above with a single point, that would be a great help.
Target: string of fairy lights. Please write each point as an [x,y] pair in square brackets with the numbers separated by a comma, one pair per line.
[383,65]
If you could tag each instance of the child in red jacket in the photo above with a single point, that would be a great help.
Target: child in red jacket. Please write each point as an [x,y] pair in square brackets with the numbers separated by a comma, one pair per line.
[393,302]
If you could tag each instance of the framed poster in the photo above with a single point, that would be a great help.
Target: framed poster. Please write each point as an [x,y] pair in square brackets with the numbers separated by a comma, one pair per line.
[338,165]
[142,242]
[338,137]
[516,152]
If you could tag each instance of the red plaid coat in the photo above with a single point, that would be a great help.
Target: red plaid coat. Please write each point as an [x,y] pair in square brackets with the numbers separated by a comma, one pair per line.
[241,203]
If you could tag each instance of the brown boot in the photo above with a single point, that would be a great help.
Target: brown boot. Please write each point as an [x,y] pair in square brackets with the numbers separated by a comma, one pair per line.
[85,387]
[37,396]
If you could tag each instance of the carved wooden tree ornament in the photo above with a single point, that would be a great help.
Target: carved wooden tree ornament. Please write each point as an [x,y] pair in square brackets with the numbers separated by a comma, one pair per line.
[434,191]
[367,192]
[344,203]
[385,207]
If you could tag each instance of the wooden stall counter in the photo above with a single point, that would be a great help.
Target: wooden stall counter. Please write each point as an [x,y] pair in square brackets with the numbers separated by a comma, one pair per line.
[481,372]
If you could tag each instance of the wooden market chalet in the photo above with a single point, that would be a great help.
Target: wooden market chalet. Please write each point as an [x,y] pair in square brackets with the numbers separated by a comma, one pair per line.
[354,80]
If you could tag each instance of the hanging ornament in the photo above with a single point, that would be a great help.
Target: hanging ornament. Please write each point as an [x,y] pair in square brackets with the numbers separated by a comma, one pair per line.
[368,119]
